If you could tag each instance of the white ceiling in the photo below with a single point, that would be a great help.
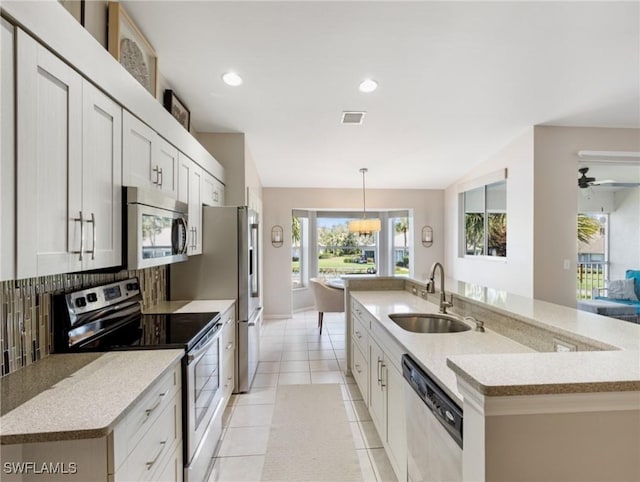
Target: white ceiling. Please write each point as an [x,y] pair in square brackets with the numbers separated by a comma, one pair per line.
[457,80]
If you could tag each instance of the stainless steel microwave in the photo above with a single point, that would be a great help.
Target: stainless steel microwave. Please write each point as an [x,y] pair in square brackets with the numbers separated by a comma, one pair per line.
[156,227]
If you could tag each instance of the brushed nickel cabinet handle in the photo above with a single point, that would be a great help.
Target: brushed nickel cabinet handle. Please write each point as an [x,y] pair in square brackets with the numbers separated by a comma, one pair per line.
[81,220]
[92,251]
[157,171]
[150,410]
[163,444]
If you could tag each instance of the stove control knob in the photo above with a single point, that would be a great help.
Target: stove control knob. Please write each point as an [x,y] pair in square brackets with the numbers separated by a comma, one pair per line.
[92,297]
[132,286]
[81,302]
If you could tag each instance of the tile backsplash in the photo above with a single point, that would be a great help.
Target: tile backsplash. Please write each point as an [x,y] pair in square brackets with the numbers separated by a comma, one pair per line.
[26,309]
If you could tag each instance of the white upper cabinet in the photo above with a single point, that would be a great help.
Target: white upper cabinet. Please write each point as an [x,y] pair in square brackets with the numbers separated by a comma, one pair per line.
[68,169]
[190,192]
[49,149]
[101,178]
[149,161]
[213,190]
[7,153]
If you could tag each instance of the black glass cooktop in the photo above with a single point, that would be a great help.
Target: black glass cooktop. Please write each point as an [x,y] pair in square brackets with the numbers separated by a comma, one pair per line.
[175,330]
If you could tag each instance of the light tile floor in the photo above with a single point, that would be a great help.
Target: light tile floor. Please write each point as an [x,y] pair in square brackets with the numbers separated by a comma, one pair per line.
[293,352]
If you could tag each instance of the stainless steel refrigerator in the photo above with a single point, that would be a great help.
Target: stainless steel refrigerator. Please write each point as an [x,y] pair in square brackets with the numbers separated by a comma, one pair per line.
[228,268]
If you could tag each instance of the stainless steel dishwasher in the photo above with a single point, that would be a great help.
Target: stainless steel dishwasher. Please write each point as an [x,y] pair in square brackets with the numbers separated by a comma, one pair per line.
[434,428]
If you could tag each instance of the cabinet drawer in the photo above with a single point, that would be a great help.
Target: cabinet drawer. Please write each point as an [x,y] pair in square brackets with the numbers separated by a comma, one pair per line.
[172,472]
[360,371]
[228,374]
[228,339]
[360,336]
[357,310]
[138,421]
[156,447]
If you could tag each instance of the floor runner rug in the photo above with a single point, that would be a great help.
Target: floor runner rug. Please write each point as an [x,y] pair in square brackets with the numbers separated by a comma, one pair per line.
[310,438]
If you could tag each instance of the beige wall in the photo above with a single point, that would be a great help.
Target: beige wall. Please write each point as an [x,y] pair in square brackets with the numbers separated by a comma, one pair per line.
[542,204]
[555,199]
[624,233]
[241,174]
[427,205]
[95,17]
[515,273]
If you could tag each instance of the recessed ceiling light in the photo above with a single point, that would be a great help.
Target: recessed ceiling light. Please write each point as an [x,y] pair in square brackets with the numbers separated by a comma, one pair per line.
[368,85]
[231,78]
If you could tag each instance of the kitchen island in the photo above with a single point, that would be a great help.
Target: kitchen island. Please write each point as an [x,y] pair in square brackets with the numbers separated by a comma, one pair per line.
[530,413]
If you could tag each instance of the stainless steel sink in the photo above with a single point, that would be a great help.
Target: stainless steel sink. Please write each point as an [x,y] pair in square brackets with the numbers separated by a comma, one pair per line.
[429,322]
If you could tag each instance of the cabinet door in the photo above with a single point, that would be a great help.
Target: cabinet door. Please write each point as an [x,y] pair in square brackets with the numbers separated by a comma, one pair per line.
[49,146]
[360,371]
[396,421]
[138,157]
[190,192]
[102,179]
[195,208]
[208,187]
[7,154]
[212,190]
[377,389]
[166,165]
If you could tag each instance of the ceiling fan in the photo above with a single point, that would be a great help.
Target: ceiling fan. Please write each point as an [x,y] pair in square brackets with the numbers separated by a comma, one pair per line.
[585,181]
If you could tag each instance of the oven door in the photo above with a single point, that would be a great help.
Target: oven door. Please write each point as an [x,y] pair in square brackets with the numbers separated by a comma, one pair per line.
[204,399]
[155,236]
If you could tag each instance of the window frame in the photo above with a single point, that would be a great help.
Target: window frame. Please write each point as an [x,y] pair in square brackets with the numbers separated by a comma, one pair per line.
[482,183]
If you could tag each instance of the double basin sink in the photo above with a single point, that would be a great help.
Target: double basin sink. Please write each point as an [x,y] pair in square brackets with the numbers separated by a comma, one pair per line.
[429,322]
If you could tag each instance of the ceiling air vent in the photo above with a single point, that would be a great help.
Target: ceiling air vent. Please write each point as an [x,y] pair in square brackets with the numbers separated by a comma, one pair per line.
[352,118]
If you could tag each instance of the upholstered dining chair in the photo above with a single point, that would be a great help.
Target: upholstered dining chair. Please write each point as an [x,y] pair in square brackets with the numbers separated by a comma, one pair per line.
[327,299]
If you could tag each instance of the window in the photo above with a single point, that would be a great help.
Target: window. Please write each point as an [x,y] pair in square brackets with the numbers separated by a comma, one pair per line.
[593,253]
[323,247]
[401,245]
[299,228]
[485,220]
[341,252]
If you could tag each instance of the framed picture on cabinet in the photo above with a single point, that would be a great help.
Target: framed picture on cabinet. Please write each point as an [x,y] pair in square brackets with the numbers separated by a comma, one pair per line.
[177,108]
[130,47]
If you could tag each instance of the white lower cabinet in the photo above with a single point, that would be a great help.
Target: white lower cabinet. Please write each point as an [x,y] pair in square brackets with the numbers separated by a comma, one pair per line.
[145,445]
[228,353]
[147,436]
[360,370]
[378,392]
[396,421]
[381,384]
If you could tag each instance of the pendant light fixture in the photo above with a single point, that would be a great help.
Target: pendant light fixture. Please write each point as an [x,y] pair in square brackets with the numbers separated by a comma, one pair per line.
[364,226]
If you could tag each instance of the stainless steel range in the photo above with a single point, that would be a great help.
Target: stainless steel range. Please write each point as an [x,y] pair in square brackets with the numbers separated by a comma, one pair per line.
[109,317]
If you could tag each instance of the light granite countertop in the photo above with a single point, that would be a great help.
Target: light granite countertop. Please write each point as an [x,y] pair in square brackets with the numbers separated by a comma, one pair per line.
[77,396]
[193,306]
[432,350]
[621,334]
[498,366]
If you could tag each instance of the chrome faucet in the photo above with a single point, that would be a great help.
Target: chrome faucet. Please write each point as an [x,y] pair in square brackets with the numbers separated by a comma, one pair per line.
[431,287]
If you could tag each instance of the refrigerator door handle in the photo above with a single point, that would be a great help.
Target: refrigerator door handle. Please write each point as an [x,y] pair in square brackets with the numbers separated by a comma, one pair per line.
[254,316]
[254,262]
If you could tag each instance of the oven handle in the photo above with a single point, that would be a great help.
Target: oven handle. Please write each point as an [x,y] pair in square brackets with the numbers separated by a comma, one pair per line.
[191,357]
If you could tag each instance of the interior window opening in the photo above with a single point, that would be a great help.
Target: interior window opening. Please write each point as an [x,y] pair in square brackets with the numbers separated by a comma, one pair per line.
[485,220]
